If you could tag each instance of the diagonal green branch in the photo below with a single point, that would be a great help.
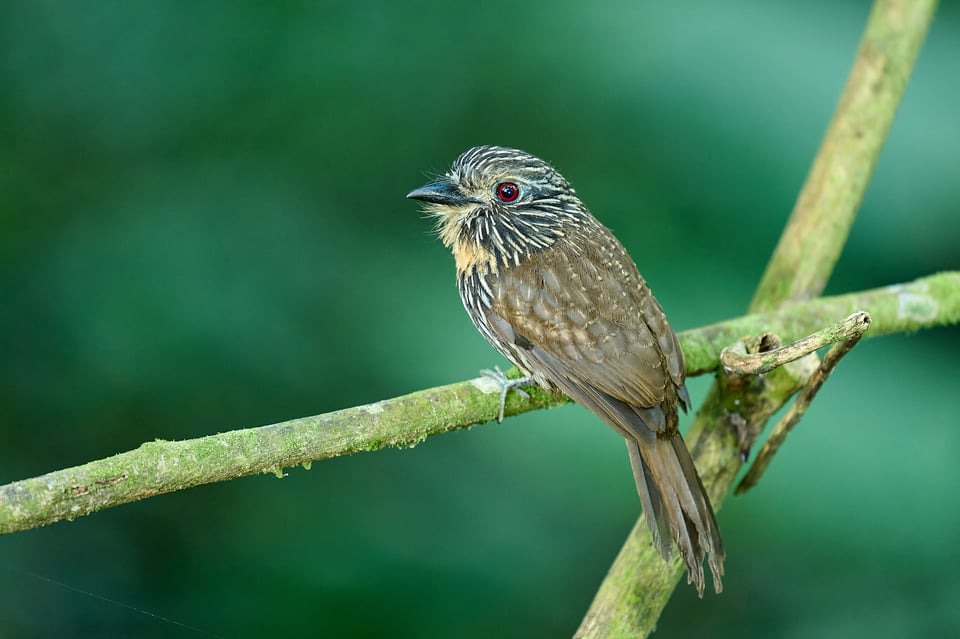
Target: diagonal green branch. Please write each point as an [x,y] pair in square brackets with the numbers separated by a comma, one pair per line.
[828,203]
[165,466]
[637,588]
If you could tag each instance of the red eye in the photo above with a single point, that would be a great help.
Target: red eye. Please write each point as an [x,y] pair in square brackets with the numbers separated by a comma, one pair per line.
[508,191]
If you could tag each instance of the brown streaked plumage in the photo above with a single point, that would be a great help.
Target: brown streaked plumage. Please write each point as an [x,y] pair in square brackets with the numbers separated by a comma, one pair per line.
[552,289]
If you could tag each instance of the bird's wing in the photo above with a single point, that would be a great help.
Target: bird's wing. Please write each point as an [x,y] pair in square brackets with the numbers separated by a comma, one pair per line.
[589,323]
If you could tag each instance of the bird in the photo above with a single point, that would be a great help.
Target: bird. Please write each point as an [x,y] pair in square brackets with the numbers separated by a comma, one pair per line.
[554,291]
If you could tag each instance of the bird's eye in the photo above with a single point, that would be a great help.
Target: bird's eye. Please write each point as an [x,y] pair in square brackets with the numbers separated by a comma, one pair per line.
[508,191]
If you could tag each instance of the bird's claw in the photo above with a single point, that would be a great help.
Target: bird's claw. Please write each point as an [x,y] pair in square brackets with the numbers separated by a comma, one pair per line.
[506,385]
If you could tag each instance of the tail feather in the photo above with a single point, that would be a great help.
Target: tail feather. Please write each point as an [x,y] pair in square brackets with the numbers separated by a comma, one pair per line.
[651,502]
[714,544]
[676,506]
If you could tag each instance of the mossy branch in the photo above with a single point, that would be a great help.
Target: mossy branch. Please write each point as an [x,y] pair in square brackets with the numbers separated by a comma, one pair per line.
[165,466]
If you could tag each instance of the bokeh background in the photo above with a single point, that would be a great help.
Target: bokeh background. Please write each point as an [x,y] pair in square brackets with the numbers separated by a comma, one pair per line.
[203,227]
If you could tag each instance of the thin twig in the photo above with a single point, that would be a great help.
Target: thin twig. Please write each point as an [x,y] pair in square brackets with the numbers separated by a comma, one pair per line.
[800,405]
[742,363]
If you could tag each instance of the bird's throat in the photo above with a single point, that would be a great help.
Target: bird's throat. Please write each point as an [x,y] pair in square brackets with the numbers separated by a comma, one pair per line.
[472,257]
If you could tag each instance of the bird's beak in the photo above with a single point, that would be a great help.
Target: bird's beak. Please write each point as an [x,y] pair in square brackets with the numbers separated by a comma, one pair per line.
[443,191]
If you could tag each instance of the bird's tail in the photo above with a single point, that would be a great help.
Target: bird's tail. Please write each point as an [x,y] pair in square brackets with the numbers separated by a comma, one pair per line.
[676,505]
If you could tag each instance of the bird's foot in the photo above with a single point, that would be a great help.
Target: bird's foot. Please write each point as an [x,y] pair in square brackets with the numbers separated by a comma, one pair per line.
[506,385]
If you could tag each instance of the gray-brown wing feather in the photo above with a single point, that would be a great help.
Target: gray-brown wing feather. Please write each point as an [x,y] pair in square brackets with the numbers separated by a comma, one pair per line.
[589,314]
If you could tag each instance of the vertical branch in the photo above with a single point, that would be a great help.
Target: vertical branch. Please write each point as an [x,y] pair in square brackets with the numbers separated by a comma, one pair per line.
[799,269]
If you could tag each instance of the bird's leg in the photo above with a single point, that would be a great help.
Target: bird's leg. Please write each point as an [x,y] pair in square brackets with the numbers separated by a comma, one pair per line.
[506,385]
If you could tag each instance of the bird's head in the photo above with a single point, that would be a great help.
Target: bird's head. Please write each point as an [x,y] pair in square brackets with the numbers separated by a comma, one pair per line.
[495,206]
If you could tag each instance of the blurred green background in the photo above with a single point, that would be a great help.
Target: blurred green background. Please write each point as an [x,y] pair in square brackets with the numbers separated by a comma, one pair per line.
[204,228]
